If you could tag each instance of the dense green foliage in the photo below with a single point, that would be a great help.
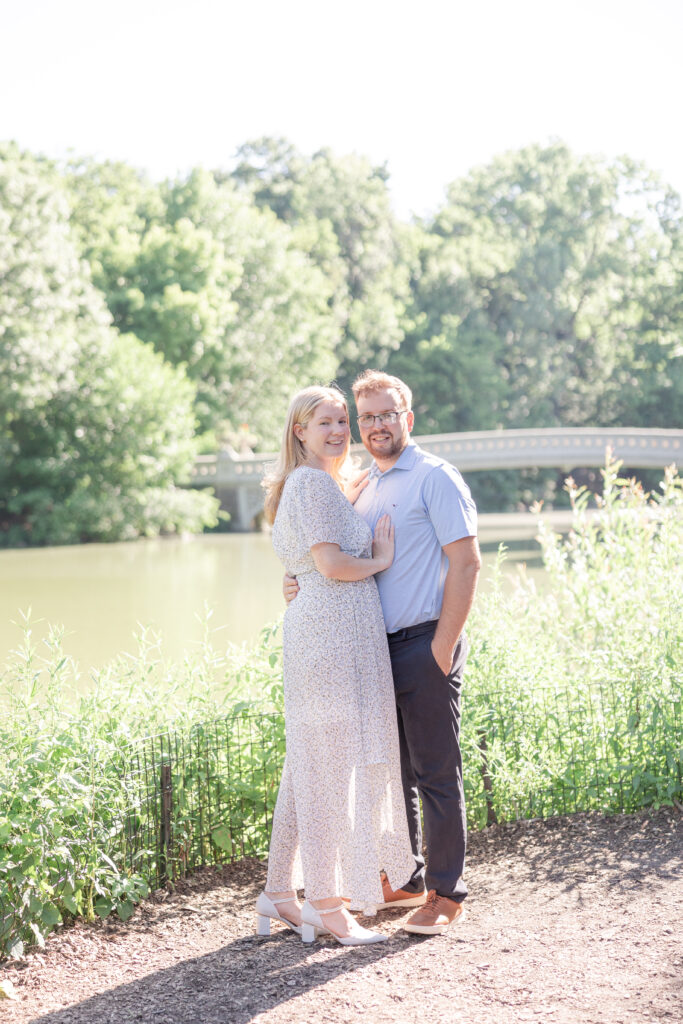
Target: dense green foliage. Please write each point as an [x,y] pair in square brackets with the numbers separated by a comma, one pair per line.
[545,292]
[214,284]
[95,429]
[540,279]
[67,794]
[573,701]
[341,213]
[575,695]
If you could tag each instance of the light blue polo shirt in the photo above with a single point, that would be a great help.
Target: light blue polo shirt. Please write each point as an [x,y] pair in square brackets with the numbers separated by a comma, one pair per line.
[430,505]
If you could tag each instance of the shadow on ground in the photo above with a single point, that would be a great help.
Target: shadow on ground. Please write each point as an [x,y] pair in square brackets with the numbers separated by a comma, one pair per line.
[245,978]
[572,921]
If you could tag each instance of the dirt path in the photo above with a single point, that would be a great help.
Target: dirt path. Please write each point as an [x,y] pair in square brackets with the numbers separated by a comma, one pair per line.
[571,921]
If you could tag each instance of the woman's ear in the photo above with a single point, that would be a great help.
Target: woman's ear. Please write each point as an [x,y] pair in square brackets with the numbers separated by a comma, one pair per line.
[299,431]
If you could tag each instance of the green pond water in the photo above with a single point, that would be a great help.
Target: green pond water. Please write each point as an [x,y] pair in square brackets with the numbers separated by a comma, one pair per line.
[102,594]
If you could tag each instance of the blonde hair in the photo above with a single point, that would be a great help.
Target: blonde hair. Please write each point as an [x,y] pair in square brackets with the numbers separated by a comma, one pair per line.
[293,452]
[371,381]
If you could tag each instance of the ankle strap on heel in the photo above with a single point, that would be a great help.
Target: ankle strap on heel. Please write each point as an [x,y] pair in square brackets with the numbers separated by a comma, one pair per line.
[282,899]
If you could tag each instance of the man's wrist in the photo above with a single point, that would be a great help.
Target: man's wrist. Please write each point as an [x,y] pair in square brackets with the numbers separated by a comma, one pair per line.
[446,645]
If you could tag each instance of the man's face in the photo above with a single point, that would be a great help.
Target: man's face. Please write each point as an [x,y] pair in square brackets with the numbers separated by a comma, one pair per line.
[385,441]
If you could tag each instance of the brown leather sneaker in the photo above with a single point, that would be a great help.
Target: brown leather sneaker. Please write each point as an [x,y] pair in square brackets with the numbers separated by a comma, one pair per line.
[399,897]
[435,916]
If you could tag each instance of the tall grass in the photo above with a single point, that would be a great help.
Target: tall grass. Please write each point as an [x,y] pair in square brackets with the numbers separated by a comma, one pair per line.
[572,702]
[573,696]
[63,796]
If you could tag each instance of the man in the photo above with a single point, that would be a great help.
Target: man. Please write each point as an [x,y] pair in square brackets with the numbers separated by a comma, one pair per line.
[426,596]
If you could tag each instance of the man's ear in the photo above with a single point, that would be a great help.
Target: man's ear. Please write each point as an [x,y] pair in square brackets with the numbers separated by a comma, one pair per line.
[410,419]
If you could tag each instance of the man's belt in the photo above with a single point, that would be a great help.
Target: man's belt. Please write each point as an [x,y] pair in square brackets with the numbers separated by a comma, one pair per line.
[410,631]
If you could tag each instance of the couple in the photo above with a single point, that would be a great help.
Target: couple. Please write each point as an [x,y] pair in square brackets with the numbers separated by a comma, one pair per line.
[372,691]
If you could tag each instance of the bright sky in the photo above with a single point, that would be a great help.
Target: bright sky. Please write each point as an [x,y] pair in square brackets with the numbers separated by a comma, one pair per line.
[432,87]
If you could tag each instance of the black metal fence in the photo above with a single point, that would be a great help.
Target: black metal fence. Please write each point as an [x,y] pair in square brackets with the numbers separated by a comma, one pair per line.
[208,796]
[199,798]
[611,746]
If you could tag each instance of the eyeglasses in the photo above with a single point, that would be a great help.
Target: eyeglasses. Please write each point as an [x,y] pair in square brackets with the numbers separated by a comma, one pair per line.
[368,420]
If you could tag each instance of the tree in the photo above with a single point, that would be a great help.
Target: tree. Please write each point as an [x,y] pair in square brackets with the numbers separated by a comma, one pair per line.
[537,282]
[219,287]
[281,336]
[653,394]
[95,430]
[112,207]
[341,212]
[547,293]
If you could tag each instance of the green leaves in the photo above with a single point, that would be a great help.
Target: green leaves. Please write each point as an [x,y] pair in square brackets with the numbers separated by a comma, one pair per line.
[103,907]
[217,286]
[124,909]
[50,916]
[573,698]
[97,431]
[78,837]
[540,299]
[15,950]
[222,838]
[340,212]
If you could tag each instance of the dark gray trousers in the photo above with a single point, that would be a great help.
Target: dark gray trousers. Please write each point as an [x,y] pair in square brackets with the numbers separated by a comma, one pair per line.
[428,711]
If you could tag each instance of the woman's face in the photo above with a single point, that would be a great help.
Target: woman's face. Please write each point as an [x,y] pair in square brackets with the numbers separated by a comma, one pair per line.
[326,435]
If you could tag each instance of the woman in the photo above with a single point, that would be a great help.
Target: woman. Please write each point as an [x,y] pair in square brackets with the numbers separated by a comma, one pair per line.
[340,814]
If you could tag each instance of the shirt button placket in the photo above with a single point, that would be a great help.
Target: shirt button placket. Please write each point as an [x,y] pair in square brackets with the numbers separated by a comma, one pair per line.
[378,503]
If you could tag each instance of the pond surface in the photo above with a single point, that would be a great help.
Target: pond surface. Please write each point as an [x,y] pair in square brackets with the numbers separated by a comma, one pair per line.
[102,594]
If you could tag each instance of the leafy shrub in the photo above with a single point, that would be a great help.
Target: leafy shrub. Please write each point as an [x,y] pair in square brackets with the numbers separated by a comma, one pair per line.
[573,696]
[71,817]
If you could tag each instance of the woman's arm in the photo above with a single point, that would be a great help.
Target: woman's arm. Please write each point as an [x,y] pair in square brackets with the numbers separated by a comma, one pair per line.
[332,562]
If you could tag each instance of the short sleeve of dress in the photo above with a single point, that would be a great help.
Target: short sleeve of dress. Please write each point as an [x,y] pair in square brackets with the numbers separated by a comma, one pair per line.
[317,501]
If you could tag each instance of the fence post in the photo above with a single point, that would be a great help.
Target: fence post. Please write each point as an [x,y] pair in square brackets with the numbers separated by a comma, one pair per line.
[166,809]
[491,817]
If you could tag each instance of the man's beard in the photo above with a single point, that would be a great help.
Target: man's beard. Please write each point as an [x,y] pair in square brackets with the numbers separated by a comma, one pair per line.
[387,451]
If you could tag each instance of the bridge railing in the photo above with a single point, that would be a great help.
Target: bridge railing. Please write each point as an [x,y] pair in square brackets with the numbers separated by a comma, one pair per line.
[563,447]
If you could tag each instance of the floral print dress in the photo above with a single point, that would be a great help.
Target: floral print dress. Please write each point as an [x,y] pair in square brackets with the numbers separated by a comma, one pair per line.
[340,814]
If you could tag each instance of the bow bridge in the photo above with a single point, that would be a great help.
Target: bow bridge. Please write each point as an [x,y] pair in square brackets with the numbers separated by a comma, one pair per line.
[236,478]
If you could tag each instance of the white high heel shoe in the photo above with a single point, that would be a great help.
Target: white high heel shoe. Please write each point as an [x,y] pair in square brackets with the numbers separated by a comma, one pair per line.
[312,925]
[266,910]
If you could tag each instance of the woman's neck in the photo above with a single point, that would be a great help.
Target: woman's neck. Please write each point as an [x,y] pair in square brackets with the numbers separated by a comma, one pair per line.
[326,465]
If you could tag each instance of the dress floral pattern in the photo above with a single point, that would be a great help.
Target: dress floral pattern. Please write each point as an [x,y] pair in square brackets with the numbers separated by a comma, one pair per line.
[340,813]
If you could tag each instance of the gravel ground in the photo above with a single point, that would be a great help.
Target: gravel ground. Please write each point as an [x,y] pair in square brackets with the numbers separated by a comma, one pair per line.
[570,921]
